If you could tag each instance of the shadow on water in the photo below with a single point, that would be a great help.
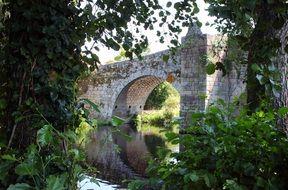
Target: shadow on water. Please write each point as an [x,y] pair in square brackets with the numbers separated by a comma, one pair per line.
[118,158]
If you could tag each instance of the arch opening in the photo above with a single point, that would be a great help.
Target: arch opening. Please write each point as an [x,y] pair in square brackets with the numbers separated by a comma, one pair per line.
[132,98]
[164,97]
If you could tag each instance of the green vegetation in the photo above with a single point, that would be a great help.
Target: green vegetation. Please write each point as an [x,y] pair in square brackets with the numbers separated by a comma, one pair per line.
[163,96]
[259,29]
[162,106]
[122,55]
[42,55]
[156,130]
[228,147]
[161,118]
[224,150]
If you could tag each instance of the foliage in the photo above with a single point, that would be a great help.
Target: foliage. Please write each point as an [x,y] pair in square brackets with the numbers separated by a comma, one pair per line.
[254,25]
[224,150]
[42,55]
[167,99]
[55,161]
[156,118]
[121,56]
[159,95]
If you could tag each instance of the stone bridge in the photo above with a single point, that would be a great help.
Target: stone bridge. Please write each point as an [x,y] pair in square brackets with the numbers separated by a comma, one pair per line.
[122,88]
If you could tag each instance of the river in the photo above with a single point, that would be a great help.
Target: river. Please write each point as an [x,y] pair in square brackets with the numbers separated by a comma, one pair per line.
[122,154]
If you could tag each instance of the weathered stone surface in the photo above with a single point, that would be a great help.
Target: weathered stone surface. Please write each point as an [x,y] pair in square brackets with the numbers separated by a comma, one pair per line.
[123,87]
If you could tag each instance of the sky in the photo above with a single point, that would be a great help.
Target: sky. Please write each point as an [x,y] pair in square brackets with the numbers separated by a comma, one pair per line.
[106,55]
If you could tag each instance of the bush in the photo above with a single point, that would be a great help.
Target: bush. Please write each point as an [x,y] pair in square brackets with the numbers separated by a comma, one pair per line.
[164,95]
[162,118]
[224,151]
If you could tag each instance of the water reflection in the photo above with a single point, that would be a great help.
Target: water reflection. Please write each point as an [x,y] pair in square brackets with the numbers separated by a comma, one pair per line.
[153,142]
[142,146]
[118,158]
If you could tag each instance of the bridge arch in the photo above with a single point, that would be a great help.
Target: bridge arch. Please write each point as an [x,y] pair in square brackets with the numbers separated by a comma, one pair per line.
[132,93]
[132,98]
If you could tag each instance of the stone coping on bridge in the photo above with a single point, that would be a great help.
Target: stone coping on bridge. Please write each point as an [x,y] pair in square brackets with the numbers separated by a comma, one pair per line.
[146,58]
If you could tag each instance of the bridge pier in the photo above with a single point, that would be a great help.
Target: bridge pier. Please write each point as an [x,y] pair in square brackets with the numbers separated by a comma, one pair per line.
[198,89]
[193,74]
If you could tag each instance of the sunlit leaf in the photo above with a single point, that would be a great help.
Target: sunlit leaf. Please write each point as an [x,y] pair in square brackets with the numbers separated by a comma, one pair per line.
[92,104]
[45,135]
[117,121]
[55,183]
[165,58]
[19,186]
[210,69]
[255,67]
[9,157]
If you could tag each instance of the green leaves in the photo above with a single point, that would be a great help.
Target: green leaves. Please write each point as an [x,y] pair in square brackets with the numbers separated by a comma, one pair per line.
[171,136]
[3,103]
[232,185]
[165,58]
[283,111]
[25,169]
[212,145]
[45,135]
[55,183]
[114,45]
[117,121]
[256,68]
[160,93]
[191,176]
[46,56]
[5,168]
[210,69]
[169,4]
[19,186]
[9,157]
[92,104]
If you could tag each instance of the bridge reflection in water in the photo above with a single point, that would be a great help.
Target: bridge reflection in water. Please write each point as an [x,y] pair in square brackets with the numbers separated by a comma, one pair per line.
[118,158]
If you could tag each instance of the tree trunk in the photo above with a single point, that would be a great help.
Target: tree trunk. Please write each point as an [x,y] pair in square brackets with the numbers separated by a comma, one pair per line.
[282,65]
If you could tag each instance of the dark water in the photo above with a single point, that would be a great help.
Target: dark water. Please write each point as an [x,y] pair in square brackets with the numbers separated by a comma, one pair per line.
[124,154]
[139,149]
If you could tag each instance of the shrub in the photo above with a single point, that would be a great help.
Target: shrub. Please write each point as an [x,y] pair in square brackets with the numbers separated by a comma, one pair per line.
[157,97]
[162,118]
[224,151]
[164,95]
